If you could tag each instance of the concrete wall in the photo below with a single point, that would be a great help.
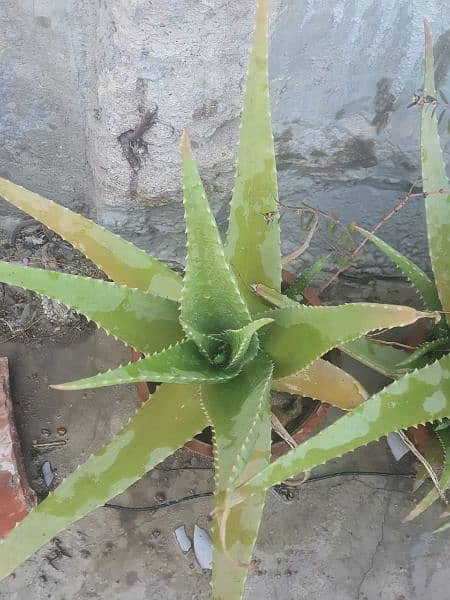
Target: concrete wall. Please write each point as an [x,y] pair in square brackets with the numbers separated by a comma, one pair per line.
[76,74]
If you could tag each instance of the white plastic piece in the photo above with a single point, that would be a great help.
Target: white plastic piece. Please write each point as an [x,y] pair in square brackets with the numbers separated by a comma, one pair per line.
[183,541]
[397,446]
[203,547]
[48,474]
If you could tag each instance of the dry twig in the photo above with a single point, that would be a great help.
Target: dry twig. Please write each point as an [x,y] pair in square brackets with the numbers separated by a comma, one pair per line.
[420,457]
[284,434]
[375,229]
[305,245]
[23,330]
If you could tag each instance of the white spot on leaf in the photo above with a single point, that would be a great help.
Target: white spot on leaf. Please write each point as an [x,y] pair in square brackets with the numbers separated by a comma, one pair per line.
[435,403]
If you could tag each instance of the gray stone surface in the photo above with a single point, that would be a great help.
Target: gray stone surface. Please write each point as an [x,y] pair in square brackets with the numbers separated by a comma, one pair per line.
[77,74]
[42,117]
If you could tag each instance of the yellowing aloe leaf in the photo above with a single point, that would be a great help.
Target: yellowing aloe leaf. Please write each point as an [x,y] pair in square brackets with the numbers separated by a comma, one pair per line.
[301,334]
[181,363]
[253,239]
[210,302]
[416,398]
[145,322]
[325,382]
[420,280]
[230,569]
[120,260]
[234,410]
[434,179]
[444,479]
[171,417]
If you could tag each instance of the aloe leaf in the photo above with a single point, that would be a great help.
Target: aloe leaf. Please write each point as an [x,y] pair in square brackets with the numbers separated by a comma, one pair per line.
[181,363]
[234,410]
[444,479]
[434,179]
[238,411]
[416,398]
[301,334]
[439,344]
[383,359]
[171,417]
[120,260]
[240,340]
[425,286]
[443,96]
[253,239]
[446,525]
[211,301]
[230,570]
[304,279]
[379,357]
[145,322]
[273,297]
[325,382]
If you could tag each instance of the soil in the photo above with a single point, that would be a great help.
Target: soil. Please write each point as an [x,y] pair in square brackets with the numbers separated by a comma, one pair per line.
[26,316]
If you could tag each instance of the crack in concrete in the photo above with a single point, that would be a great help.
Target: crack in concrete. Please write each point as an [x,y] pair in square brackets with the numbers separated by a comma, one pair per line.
[376,549]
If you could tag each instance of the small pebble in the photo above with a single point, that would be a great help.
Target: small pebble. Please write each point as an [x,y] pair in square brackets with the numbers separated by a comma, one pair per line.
[46,432]
[61,431]
[202,547]
[160,497]
[156,533]
[183,541]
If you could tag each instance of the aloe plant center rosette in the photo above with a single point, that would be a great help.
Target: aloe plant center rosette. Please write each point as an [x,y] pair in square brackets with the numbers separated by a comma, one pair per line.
[216,347]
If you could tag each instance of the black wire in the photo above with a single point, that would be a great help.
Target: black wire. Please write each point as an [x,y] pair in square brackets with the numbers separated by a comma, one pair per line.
[158,506]
[359,474]
[169,503]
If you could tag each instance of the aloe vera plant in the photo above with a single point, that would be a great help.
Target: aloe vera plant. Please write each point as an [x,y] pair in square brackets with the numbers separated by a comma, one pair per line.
[434,292]
[217,348]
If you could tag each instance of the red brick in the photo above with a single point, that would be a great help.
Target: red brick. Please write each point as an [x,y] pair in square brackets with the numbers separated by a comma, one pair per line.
[16,496]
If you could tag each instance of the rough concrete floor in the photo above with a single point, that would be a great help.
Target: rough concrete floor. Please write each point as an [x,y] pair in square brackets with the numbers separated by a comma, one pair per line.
[339,538]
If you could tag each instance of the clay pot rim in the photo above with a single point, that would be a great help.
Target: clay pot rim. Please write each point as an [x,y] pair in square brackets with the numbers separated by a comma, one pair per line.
[302,432]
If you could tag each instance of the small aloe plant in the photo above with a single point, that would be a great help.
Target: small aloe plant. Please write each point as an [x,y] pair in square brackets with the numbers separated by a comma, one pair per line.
[433,292]
[216,347]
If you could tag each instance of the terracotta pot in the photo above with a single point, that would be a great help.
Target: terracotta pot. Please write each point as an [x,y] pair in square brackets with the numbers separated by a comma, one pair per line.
[303,430]
[311,421]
